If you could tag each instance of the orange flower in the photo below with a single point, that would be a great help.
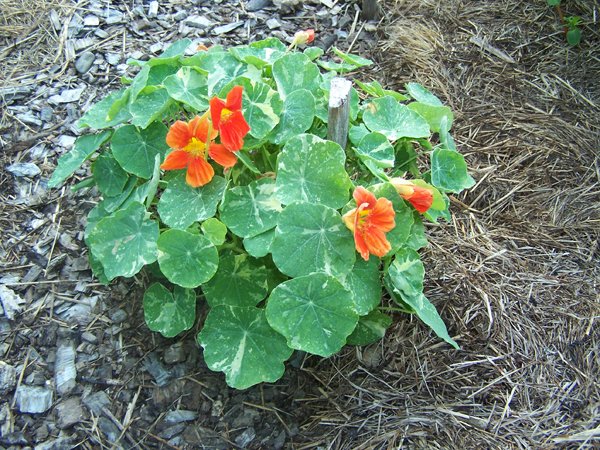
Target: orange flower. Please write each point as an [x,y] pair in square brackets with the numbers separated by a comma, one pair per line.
[190,142]
[369,221]
[227,117]
[421,198]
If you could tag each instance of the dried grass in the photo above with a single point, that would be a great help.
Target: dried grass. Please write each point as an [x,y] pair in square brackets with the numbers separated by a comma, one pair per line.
[516,275]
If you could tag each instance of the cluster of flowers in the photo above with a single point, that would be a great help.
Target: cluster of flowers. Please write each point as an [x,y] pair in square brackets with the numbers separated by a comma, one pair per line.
[192,142]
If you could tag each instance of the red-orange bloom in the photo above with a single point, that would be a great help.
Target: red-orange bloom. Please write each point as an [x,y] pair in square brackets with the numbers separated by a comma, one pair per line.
[189,141]
[228,119]
[421,198]
[370,220]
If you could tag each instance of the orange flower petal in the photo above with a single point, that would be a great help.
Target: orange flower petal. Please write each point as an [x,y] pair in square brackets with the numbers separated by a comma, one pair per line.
[179,135]
[199,172]
[222,156]
[216,106]
[361,195]
[177,159]
[421,199]
[349,218]
[376,242]
[233,131]
[361,245]
[199,129]
[382,216]
[234,98]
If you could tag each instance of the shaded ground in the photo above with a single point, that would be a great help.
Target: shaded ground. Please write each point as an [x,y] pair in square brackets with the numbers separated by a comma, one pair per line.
[515,275]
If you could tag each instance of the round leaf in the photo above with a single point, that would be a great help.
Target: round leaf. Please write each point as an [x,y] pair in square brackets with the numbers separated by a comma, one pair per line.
[150,105]
[124,242]
[251,210]
[108,175]
[167,313]
[297,116]
[315,313]
[394,120]
[420,94]
[240,281]
[312,238]
[261,106]
[181,205]
[136,149]
[434,115]
[260,245]
[240,343]
[370,328]
[214,230]
[449,171]
[310,169]
[295,71]
[376,152]
[407,272]
[365,284]
[186,259]
[97,116]
[188,86]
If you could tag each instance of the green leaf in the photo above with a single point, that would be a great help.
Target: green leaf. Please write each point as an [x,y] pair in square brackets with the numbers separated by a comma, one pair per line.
[407,272]
[125,241]
[375,89]
[404,215]
[296,71]
[449,171]
[446,138]
[405,283]
[357,132]
[97,269]
[261,106]
[111,204]
[251,210]
[149,106]
[181,205]
[312,170]
[394,120]
[354,60]
[175,50]
[157,74]
[83,148]
[313,52]
[312,238]
[260,54]
[188,86]
[433,114]
[297,116]
[214,230]
[365,284]
[136,149]
[376,152]
[97,116]
[259,245]
[420,94]
[574,36]
[108,175]
[417,238]
[169,314]
[223,67]
[370,328]
[240,281]
[186,259]
[315,313]
[406,157]
[240,343]
[553,2]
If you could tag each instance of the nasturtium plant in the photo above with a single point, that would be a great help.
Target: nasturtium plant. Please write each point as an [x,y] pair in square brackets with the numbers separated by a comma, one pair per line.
[217,179]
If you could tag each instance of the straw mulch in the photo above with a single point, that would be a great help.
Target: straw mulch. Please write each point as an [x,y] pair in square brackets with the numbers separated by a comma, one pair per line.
[516,275]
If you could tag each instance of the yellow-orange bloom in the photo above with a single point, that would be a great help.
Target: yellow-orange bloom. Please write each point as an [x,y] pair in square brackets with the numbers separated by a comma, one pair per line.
[190,141]
[369,221]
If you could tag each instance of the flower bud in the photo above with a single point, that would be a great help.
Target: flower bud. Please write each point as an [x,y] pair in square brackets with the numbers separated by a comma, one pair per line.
[304,37]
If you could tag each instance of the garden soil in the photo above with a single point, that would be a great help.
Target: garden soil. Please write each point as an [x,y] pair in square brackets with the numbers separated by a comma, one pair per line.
[515,275]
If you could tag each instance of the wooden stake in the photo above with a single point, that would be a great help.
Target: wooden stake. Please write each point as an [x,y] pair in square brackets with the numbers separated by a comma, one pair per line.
[339,111]
[370,9]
